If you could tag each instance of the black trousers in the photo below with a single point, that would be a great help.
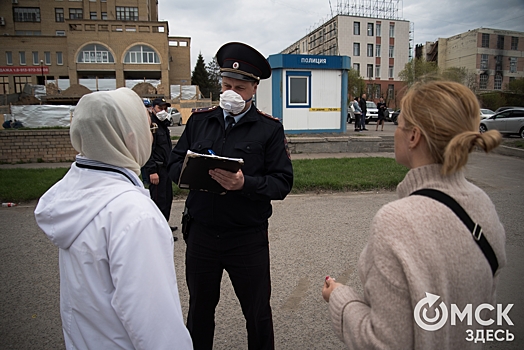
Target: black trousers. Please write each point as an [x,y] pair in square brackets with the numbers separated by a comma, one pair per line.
[162,194]
[245,256]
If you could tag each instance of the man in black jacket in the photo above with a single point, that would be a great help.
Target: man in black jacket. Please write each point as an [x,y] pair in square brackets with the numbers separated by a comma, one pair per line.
[364,109]
[230,231]
[160,189]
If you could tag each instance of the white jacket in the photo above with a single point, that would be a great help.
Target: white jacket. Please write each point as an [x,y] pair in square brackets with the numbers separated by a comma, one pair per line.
[118,287]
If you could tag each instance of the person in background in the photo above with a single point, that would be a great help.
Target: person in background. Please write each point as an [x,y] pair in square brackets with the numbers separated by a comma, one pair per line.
[230,232]
[161,189]
[143,171]
[364,109]
[358,114]
[418,245]
[382,110]
[118,286]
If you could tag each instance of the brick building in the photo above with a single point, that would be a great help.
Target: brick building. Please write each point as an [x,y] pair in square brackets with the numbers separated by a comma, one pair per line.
[379,49]
[64,41]
[495,56]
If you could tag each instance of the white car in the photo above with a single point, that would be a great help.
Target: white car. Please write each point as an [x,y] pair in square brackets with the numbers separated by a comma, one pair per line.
[372,112]
[508,122]
[176,117]
[486,113]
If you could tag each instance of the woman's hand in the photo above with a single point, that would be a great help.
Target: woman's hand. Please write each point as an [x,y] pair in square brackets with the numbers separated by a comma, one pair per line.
[329,287]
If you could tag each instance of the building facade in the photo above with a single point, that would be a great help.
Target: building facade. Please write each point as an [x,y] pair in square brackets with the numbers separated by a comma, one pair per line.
[379,49]
[495,56]
[107,42]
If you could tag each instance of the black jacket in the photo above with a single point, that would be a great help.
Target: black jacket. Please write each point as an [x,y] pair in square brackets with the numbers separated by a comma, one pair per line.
[268,174]
[363,105]
[162,146]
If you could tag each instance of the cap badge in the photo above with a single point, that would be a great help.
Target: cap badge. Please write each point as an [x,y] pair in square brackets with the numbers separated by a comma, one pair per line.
[236,65]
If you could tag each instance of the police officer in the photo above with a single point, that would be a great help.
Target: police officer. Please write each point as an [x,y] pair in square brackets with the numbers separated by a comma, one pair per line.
[230,232]
[160,189]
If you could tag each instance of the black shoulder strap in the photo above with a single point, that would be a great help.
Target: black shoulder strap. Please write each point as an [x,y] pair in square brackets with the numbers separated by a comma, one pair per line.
[474,228]
[100,168]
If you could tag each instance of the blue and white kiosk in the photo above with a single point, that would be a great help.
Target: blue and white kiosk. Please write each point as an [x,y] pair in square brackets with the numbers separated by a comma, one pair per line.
[308,93]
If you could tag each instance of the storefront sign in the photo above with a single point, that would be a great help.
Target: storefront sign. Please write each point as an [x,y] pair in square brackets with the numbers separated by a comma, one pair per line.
[24,70]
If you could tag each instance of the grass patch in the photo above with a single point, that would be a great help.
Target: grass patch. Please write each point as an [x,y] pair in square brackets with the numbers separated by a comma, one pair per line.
[514,143]
[311,175]
[21,185]
[346,174]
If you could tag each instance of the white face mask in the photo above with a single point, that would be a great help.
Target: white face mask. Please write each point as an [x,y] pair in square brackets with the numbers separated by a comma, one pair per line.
[163,115]
[232,102]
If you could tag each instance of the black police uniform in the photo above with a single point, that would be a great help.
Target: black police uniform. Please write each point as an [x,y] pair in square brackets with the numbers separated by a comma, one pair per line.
[161,194]
[230,231]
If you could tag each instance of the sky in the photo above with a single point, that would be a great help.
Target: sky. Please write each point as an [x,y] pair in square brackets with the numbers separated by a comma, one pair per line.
[272,25]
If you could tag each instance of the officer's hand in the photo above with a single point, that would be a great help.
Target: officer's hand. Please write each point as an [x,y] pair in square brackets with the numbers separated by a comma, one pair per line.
[154,179]
[230,181]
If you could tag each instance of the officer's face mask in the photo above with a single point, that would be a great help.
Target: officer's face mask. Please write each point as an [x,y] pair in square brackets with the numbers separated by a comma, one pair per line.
[163,115]
[231,102]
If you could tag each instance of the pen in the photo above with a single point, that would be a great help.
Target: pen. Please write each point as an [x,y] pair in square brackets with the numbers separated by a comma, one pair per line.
[211,152]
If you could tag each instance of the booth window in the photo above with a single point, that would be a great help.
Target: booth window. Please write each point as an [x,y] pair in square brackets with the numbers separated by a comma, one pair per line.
[298,94]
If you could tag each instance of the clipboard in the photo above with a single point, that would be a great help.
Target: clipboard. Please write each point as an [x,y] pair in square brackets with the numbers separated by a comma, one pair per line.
[195,171]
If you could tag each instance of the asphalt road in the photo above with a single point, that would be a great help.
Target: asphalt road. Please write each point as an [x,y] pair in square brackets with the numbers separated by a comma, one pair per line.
[311,236]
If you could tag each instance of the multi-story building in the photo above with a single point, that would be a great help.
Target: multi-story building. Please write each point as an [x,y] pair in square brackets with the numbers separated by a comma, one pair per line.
[495,56]
[45,41]
[379,49]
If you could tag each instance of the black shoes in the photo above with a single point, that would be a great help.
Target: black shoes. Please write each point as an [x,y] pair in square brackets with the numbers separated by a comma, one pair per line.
[173,229]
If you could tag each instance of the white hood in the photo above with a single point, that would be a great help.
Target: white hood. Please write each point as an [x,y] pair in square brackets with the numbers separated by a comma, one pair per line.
[71,204]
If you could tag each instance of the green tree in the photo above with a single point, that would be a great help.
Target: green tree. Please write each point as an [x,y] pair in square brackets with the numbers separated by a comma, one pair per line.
[516,86]
[200,76]
[456,74]
[418,69]
[213,72]
[356,85]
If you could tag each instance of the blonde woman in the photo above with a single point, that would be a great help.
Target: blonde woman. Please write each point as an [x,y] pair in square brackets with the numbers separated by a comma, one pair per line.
[419,245]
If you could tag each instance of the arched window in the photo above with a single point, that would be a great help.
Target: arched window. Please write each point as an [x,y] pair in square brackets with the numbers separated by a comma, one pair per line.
[95,53]
[141,54]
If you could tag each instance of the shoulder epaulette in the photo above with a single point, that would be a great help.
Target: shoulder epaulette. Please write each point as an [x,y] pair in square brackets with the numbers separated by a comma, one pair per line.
[267,115]
[205,109]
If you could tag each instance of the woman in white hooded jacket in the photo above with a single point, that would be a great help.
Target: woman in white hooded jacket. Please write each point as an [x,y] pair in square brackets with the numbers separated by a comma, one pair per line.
[118,287]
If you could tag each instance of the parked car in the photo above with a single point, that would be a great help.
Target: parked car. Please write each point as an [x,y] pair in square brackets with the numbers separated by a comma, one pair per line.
[508,122]
[500,109]
[351,116]
[486,113]
[176,117]
[372,112]
[389,113]
[394,116]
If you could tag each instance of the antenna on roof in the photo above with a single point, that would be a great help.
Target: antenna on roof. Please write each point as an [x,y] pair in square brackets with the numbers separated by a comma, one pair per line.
[330,8]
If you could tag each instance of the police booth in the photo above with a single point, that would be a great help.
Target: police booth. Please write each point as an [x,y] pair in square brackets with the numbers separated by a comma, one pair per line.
[308,93]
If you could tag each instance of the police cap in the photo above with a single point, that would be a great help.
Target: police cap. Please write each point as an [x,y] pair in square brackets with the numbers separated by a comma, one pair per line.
[241,61]
[161,101]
